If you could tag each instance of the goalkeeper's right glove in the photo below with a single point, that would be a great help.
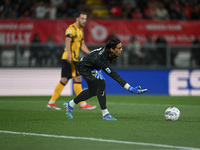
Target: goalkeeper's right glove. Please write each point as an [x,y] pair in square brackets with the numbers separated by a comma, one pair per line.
[98,74]
[136,90]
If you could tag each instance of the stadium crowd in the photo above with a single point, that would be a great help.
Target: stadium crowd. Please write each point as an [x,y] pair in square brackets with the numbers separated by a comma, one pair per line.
[146,53]
[156,9]
[123,9]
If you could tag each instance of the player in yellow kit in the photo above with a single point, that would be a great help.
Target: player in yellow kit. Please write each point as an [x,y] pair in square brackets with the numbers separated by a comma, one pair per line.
[73,43]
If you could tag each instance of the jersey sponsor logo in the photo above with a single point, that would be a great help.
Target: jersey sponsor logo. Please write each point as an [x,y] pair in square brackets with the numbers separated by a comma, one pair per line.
[108,70]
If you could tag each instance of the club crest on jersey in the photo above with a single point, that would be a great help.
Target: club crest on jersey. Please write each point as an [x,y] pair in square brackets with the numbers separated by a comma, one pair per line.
[108,70]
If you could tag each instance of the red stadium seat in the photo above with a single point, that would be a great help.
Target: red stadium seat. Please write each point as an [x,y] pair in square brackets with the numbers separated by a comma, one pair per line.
[116,11]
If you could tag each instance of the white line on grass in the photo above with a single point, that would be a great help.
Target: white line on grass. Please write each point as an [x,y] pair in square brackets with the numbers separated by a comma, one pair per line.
[100,140]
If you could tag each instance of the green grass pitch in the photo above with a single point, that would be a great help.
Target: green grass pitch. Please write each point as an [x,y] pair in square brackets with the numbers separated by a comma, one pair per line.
[141,124]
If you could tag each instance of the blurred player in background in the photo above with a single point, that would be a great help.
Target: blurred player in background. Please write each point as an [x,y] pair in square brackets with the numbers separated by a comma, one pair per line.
[73,43]
[90,67]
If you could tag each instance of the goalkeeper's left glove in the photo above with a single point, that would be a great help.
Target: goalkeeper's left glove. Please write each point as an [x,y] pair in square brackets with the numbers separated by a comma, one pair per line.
[98,74]
[136,90]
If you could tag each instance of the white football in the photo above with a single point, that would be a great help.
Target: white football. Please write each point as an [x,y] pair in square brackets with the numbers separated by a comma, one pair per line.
[172,114]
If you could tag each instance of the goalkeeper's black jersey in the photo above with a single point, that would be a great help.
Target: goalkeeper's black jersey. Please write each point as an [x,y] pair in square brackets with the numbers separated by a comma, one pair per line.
[98,59]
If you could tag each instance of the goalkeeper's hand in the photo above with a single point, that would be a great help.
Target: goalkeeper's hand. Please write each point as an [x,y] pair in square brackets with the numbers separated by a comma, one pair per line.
[98,74]
[136,90]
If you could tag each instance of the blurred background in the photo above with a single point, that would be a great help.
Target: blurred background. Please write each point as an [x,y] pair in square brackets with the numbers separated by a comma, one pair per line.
[156,34]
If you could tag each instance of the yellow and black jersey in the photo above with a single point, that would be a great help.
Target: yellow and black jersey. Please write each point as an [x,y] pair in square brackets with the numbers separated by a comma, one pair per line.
[77,36]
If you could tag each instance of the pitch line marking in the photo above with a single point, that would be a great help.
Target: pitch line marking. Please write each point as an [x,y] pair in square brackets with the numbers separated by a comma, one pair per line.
[100,140]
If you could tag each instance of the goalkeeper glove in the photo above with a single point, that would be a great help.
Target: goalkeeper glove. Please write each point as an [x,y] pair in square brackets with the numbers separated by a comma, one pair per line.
[136,90]
[98,74]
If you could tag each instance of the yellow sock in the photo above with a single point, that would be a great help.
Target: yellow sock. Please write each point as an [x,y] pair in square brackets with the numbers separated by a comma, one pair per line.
[78,89]
[57,91]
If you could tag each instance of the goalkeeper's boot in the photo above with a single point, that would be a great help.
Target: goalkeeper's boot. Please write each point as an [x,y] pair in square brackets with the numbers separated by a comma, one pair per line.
[108,117]
[69,110]
[53,106]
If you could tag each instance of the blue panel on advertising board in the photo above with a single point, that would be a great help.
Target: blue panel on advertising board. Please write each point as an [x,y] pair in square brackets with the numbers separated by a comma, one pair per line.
[156,81]
[180,82]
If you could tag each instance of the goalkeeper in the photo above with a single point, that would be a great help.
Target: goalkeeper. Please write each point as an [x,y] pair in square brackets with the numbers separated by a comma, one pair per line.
[90,67]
